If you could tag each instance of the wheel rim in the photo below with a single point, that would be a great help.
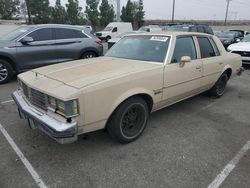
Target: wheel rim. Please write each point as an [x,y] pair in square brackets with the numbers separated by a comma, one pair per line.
[133,121]
[3,72]
[89,56]
[221,85]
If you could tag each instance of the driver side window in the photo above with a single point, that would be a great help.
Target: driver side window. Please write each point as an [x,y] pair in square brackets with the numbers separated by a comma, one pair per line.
[41,34]
[184,47]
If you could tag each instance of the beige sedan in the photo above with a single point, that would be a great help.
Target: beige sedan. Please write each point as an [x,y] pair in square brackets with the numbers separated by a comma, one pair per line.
[141,74]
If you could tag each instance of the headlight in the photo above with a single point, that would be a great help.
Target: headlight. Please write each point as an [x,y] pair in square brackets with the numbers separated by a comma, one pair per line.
[65,108]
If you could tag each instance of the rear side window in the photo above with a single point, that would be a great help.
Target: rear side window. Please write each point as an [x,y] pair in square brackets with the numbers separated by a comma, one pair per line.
[184,47]
[217,52]
[80,34]
[42,34]
[63,33]
[206,47]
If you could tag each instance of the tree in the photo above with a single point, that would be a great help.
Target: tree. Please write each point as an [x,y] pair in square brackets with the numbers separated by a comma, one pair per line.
[9,8]
[128,12]
[139,19]
[92,12]
[107,13]
[58,13]
[133,12]
[40,11]
[74,14]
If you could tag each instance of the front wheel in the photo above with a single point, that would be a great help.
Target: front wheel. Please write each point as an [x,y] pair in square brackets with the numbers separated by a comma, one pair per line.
[129,120]
[88,55]
[219,88]
[6,72]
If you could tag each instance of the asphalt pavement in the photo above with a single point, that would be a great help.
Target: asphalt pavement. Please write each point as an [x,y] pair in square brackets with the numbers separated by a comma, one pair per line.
[185,145]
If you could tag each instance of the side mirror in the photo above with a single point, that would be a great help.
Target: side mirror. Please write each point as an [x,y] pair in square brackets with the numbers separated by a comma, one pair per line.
[27,40]
[184,60]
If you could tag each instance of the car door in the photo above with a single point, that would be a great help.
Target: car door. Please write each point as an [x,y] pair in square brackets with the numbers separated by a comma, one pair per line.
[181,82]
[69,43]
[212,61]
[39,52]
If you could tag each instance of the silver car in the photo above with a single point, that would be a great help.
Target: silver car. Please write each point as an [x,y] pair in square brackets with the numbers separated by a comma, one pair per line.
[34,46]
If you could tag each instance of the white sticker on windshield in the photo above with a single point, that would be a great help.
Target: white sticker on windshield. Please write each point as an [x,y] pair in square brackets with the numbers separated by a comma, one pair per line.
[159,38]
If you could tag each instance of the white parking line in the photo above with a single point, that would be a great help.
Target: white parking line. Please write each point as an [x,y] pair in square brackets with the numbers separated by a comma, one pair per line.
[26,163]
[229,167]
[5,102]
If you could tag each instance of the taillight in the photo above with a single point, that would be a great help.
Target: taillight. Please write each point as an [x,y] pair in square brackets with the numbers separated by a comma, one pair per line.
[99,42]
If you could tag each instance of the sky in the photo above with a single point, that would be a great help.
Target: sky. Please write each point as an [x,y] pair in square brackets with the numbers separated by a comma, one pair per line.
[190,9]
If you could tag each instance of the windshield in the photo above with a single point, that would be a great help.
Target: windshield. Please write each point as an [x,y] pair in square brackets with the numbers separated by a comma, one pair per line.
[246,39]
[178,28]
[108,29]
[16,33]
[143,48]
[225,35]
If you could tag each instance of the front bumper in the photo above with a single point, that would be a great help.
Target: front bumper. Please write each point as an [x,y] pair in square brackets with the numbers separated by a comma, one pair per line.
[63,133]
[245,60]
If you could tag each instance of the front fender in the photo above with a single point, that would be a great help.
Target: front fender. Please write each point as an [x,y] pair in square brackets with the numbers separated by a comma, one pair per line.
[128,94]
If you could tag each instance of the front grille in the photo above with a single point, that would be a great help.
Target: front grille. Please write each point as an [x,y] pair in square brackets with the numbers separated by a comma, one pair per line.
[35,97]
[242,53]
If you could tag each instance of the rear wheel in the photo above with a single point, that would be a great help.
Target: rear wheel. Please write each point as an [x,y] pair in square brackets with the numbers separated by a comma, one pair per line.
[89,55]
[219,88]
[129,120]
[6,72]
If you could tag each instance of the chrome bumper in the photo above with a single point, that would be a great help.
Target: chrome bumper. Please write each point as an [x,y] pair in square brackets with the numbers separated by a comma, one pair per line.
[63,133]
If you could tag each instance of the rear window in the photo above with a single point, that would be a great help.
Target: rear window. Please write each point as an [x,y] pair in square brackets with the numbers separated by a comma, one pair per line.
[206,47]
[64,33]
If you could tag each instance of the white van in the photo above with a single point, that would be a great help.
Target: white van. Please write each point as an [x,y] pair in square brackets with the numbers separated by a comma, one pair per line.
[150,28]
[114,29]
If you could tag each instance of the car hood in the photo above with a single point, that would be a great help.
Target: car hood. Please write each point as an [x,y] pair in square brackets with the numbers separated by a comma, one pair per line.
[225,39]
[84,73]
[5,43]
[241,46]
[114,40]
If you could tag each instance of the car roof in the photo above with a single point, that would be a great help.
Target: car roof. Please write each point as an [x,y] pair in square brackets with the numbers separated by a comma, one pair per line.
[169,33]
[58,26]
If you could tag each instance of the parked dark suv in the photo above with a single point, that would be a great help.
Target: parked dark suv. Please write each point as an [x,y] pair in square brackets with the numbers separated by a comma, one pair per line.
[33,46]
[191,28]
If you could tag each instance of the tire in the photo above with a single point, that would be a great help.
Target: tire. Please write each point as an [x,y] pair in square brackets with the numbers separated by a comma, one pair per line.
[88,55]
[129,120]
[108,38]
[6,72]
[219,88]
